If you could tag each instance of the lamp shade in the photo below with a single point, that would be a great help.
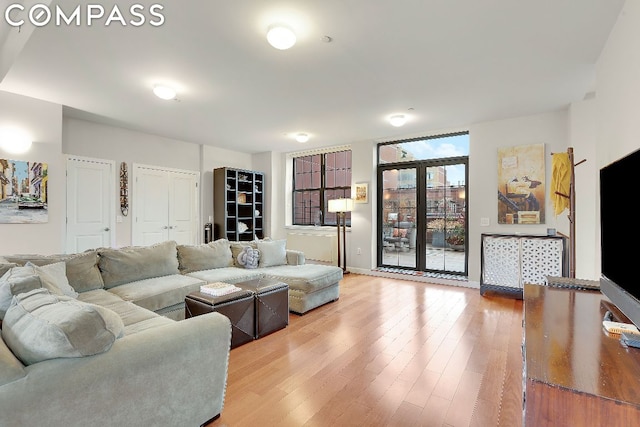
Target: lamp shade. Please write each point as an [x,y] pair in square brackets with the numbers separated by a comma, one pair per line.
[341,205]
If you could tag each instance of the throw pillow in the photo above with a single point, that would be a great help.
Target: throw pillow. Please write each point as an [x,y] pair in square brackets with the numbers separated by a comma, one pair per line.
[249,257]
[272,252]
[215,254]
[15,281]
[6,266]
[40,326]
[55,276]
[82,269]
[237,247]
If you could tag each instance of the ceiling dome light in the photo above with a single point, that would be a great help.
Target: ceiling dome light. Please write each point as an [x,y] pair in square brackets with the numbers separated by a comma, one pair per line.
[302,137]
[164,92]
[398,120]
[281,37]
[14,140]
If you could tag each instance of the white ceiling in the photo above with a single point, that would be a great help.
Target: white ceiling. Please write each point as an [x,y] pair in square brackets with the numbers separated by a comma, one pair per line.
[452,62]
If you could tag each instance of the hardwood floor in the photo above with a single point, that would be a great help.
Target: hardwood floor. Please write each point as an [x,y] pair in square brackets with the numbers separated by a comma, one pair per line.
[387,353]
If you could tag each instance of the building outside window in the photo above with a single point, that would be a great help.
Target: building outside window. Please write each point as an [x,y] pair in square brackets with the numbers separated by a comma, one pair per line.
[318,178]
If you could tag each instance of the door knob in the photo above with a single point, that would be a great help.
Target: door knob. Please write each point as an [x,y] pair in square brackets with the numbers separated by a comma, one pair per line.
[165,227]
[107,229]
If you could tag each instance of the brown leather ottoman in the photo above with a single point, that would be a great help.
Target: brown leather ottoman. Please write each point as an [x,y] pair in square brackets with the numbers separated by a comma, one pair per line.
[237,306]
[271,304]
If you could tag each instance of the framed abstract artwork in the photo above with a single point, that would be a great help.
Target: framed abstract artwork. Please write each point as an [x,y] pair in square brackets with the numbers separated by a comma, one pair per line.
[521,184]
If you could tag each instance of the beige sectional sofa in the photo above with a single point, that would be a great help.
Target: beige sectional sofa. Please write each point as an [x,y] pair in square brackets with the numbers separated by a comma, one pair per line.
[150,367]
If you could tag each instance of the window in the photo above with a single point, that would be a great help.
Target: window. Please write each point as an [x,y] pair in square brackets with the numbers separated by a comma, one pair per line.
[318,178]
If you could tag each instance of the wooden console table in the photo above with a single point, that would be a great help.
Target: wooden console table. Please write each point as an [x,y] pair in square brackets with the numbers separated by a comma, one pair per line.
[574,373]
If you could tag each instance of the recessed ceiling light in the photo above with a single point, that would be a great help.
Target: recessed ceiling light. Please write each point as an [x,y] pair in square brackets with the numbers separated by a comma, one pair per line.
[302,137]
[164,92]
[398,120]
[281,37]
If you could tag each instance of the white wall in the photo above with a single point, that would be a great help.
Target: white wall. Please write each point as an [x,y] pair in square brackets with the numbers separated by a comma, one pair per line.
[88,139]
[617,94]
[550,129]
[43,120]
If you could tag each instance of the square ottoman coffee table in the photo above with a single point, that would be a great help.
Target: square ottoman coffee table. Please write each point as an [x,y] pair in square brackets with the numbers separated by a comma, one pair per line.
[271,304]
[237,306]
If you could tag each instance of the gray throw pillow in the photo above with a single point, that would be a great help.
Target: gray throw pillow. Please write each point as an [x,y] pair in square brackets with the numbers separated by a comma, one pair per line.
[55,276]
[272,252]
[205,257]
[249,257]
[125,265]
[19,280]
[6,266]
[237,247]
[81,269]
[40,326]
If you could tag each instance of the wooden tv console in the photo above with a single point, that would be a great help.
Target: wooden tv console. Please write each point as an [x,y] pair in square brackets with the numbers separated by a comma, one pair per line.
[575,374]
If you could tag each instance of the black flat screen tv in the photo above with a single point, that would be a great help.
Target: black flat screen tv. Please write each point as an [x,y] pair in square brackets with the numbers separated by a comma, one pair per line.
[620,235]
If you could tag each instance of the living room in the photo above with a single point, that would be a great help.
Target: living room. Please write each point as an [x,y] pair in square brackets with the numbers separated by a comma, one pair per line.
[599,124]
[594,125]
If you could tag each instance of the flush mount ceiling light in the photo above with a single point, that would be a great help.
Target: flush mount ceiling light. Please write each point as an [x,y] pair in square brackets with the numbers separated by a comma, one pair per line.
[15,141]
[164,92]
[398,120]
[302,137]
[281,37]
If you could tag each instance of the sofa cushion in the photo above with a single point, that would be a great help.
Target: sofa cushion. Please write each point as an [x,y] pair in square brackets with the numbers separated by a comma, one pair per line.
[130,264]
[55,276]
[272,252]
[40,326]
[307,278]
[160,292]
[204,257]
[134,317]
[227,275]
[81,269]
[19,280]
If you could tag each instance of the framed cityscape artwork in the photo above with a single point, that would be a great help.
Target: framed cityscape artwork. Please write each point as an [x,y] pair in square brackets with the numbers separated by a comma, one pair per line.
[23,192]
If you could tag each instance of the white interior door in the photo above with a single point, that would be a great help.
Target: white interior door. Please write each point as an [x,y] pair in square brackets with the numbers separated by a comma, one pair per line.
[183,189]
[151,198]
[90,201]
[164,205]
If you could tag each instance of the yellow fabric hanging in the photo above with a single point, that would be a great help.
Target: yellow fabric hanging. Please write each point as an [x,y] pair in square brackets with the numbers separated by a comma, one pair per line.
[560,181]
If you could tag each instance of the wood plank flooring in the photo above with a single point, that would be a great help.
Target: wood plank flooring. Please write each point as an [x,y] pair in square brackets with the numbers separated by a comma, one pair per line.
[387,353]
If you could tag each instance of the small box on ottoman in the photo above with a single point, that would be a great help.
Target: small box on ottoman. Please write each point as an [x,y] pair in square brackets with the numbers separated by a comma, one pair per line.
[271,304]
[237,306]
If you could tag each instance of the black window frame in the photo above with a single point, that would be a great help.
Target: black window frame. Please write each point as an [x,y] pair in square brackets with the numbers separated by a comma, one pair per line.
[325,193]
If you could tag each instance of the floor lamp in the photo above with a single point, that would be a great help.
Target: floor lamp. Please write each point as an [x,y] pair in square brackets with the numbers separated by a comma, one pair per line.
[340,207]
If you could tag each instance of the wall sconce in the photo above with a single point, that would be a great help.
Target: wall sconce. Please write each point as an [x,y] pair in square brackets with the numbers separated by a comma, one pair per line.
[340,207]
[14,140]
[124,189]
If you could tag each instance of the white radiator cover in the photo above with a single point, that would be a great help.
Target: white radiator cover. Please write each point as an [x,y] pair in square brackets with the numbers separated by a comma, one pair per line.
[316,247]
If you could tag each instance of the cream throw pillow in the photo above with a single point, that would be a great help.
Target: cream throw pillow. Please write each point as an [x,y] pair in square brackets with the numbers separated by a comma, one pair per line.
[272,252]
[40,326]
